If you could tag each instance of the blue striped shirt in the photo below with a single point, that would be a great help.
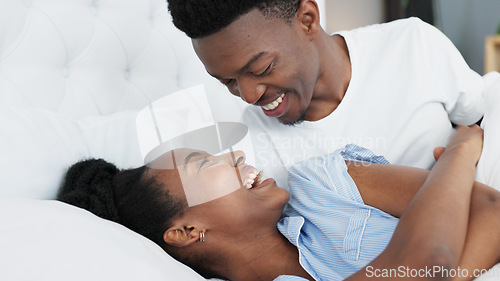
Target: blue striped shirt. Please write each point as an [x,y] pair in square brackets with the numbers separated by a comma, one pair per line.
[335,232]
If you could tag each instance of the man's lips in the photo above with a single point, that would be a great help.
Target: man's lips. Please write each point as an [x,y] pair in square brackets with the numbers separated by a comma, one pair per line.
[277,107]
[274,103]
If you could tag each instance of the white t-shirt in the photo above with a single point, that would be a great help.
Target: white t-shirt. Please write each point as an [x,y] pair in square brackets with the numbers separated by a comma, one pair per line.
[408,82]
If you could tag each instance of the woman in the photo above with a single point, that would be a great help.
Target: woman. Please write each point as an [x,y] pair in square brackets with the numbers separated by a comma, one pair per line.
[446,220]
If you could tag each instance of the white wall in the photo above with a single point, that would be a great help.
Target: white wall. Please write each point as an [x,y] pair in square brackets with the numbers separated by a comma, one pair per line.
[322,13]
[349,14]
[467,23]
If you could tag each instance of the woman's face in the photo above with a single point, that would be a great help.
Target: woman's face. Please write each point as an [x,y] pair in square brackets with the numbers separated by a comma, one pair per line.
[223,189]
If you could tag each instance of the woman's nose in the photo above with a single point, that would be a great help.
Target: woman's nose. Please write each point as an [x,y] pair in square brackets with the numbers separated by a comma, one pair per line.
[240,157]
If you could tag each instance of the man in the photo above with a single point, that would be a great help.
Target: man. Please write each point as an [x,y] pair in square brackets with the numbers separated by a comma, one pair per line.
[394,88]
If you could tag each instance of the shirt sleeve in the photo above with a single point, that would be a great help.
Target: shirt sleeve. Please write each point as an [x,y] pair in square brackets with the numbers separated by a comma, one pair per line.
[462,88]
[324,194]
[289,278]
[352,152]
[330,172]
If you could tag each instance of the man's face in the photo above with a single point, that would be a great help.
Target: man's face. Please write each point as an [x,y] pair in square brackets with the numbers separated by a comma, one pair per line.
[267,62]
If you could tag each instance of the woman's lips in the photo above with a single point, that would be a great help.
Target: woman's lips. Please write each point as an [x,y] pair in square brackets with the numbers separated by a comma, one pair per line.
[264,183]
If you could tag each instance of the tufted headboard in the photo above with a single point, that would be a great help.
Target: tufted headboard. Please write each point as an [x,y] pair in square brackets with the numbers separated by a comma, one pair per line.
[73,75]
[91,57]
[93,62]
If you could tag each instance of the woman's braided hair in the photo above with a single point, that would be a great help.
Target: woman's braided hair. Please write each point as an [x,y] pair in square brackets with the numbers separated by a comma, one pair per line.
[128,197]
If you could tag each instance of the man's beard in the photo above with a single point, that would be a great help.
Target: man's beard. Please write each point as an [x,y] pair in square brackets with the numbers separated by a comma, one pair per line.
[299,120]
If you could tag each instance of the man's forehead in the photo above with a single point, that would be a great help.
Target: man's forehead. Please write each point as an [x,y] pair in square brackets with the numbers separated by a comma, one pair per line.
[222,50]
[226,60]
[245,36]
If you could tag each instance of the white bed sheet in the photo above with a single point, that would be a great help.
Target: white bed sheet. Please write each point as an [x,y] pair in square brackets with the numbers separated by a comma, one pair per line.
[488,168]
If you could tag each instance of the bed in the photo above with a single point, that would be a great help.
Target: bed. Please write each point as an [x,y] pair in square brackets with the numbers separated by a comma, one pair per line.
[73,75]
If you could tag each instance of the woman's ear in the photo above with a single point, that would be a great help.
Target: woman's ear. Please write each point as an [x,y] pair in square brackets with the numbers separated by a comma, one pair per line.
[308,14]
[181,235]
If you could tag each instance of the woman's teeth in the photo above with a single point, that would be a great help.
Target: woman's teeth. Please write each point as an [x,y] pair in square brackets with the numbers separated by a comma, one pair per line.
[253,179]
[274,104]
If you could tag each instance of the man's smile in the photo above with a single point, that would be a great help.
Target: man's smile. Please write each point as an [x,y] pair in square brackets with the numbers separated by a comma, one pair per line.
[272,105]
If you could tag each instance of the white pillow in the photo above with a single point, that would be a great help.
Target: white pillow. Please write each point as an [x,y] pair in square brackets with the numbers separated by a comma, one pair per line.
[488,167]
[50,240]
[53,241]
[36,148]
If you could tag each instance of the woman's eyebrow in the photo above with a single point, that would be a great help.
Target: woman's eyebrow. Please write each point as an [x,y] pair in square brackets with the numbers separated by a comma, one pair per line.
[190,155]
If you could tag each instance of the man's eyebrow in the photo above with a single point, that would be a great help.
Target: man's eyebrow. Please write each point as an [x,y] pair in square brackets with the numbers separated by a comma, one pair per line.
[250,62]
[191,155]
[246,67]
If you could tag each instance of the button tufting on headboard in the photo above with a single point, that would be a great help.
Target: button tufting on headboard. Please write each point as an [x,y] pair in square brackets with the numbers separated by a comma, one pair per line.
[83,57]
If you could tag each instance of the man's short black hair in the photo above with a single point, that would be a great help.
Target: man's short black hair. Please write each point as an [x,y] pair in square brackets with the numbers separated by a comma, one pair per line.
[200,18]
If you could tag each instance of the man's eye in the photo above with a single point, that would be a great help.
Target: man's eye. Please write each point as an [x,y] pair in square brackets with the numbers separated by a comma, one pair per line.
[268,70]
[227,82]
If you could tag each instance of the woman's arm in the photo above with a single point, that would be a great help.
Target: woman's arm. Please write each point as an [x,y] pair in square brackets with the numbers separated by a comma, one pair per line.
[433,227]
[389,188]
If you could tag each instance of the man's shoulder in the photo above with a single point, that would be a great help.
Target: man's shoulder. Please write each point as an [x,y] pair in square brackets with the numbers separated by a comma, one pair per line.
[411,22]
[398,27]
[381,40]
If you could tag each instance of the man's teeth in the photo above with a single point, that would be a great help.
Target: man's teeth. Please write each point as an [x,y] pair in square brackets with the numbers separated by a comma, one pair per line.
[274,104]
[253,177]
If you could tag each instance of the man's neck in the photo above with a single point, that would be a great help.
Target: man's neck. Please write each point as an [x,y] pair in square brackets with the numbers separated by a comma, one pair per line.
[333,79]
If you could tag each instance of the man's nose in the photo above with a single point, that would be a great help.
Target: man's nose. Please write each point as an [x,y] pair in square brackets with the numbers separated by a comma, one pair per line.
[250,90]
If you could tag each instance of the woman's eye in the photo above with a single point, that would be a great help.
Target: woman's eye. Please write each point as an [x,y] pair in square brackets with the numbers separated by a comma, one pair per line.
[203,162]
[206,162]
